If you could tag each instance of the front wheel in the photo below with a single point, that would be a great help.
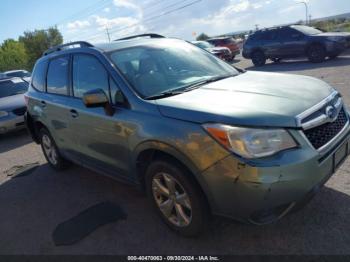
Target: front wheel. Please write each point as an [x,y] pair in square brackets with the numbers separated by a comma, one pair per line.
[259,58]
[51,152]
[316,54]
[176,198]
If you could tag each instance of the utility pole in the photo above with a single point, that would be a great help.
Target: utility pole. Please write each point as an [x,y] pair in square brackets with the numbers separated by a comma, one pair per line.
[108,34]
[307,11]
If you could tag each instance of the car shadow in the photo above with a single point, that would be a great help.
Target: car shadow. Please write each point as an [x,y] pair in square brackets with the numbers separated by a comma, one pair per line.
[300,65]
[14,140]
[33,206]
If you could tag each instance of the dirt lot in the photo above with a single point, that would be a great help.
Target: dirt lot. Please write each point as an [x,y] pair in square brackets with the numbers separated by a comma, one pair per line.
[31,206]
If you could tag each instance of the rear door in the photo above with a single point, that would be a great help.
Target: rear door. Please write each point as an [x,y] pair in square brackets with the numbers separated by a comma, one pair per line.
[269,42]
[103,140]
[55,103]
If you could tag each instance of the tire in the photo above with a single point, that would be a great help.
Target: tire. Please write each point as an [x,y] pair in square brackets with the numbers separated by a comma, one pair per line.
[258,58]
[316,54]
[51,152]
[185,209]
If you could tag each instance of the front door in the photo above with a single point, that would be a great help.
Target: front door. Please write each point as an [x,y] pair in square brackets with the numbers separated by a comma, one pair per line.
[103,139]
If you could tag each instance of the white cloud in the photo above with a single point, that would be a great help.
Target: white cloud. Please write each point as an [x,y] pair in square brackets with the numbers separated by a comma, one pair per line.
[129,5]
[76,25]
[107,10]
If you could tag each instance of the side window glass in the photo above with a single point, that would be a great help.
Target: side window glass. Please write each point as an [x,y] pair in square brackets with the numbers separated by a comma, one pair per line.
[57,76]
[88,74]
[117,95]
[39,76]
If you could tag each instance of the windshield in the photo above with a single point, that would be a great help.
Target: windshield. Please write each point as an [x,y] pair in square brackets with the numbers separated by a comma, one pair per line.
[307,30]
[203,45]
[12,87]
[168,65]
[19,74]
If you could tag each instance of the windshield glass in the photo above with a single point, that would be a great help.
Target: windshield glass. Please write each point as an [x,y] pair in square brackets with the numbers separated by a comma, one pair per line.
[168,65]
[307,30]
[203,45]
[12,87]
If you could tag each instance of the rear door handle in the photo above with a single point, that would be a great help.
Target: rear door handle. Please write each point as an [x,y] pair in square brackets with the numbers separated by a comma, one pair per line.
[74,113]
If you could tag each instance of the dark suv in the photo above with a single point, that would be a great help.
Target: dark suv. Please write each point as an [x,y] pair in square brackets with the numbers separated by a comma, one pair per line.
[200,136]
[294,41]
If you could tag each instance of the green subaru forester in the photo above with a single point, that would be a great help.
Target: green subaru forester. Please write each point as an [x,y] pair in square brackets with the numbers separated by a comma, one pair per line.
[200,136]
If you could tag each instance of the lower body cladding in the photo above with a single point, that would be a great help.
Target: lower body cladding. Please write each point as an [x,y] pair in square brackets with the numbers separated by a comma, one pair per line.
[11,123]
[262,193]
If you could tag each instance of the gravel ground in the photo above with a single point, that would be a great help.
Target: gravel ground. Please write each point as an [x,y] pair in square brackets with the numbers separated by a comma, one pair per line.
[32,206]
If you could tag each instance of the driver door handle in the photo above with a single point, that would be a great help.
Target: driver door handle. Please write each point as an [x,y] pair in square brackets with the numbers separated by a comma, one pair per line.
[74,113]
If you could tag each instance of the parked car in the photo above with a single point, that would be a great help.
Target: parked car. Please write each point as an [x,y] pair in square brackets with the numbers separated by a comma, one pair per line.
[228,42]
[292,42]
[24,74]
[222,52]
[12,104]
[198,135]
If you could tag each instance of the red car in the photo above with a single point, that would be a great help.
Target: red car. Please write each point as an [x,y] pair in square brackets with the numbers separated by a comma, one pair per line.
[228,42]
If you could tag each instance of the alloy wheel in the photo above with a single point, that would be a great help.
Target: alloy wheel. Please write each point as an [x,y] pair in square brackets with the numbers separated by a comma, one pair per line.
[172,200]
[50,150]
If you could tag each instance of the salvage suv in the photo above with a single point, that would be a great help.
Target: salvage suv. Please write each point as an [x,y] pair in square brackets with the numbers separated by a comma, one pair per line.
[200,136]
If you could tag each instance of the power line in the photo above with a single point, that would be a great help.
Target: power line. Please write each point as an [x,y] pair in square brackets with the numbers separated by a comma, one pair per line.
[148,7]
[149,19]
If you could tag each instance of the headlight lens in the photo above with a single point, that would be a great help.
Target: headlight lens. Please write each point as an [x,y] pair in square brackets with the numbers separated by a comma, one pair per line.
[251,142]
[3,114]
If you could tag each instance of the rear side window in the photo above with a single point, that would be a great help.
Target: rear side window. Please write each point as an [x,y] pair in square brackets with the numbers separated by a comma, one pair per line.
[88,74]
[57,76]
[39,76]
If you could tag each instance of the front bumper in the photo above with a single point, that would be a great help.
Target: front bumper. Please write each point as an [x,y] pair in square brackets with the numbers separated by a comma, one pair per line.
[11,123]
[264,191]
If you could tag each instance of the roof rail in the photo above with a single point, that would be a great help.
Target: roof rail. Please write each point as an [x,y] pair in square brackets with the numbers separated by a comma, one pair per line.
[142,35]
[64,46]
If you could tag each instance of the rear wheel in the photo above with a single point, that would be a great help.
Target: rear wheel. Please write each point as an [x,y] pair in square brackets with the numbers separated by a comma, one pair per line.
[259,58]
[176,198]
[51,152]
[316,54]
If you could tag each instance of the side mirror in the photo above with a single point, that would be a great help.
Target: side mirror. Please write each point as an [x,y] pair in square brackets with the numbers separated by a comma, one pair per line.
[95,98]
[98,98]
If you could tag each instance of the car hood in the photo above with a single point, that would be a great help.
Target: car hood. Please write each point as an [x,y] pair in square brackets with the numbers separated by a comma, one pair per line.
[334,34]
[249,99]
[12,102]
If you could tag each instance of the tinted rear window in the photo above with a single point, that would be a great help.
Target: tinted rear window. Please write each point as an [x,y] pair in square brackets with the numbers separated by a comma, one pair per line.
[12,87]
[39,76]
[57,76]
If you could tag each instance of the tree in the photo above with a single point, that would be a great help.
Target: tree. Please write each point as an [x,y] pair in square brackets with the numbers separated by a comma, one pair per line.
[38,41]
[13,55]
[202,37]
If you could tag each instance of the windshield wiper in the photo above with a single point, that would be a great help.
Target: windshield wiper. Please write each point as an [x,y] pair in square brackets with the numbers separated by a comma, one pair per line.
[187,88]
[163,95]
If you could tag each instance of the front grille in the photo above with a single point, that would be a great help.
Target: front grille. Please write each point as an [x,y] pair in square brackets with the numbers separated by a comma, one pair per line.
[322,135]
[20,111]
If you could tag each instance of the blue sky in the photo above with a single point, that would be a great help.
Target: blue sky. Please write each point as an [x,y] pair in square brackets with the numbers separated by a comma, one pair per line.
[88,19]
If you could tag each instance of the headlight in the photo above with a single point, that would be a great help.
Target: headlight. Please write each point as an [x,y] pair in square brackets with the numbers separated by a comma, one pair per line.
[3,114]
[251,142]
[335,38]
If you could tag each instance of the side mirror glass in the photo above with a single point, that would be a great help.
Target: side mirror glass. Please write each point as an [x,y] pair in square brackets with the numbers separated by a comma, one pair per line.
[95,98]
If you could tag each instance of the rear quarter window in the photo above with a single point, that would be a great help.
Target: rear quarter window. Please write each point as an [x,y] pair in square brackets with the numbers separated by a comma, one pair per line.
[39,76]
